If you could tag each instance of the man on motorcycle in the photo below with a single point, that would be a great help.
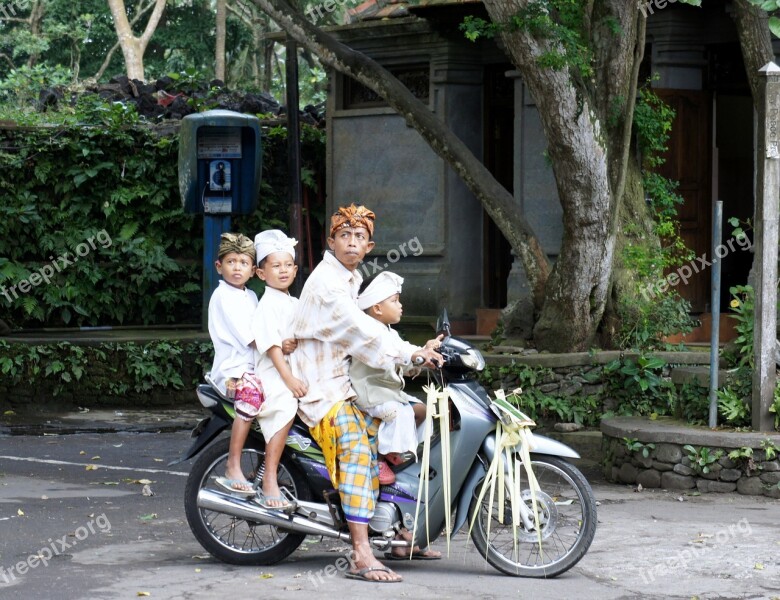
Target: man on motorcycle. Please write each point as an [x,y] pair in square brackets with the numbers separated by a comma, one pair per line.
[330,328]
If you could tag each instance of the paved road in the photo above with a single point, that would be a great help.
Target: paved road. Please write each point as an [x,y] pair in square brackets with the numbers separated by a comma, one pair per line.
[94,535]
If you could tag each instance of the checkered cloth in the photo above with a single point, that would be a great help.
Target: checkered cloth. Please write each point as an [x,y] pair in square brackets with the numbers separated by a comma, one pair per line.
[349,446]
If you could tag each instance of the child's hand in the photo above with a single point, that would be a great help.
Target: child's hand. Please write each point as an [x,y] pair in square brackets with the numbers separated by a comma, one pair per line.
[289,345]
[296,386]
[434,344]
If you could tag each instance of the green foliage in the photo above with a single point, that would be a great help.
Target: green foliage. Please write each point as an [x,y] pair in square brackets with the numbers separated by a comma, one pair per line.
[770,6]
[701,458]
[113,369]
[541,407]
[654,311]
[743,307]
[769,448]
[100,174]
[733,407]
[559,21]
[692,403]
[639,386]
[634,445]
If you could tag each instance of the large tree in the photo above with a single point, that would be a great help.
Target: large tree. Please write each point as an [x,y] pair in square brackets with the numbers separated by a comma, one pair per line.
[133,47]
[581,65]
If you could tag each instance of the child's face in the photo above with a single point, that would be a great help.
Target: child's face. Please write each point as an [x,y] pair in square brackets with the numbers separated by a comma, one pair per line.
[236,269]
[350,245]
[278,271]
[389,311]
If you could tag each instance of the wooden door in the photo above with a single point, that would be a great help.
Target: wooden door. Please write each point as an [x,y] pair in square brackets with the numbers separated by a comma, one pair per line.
[688,161]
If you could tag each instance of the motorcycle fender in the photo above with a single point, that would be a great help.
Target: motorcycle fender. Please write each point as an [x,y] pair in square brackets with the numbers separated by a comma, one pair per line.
[476,474]
[206,433]
[541,445]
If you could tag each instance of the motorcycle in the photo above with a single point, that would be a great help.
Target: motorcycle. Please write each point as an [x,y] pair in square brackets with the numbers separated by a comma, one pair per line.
[237,530]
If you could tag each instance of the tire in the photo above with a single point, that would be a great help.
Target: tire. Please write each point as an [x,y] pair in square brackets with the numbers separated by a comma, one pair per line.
[231,539]
[567,512]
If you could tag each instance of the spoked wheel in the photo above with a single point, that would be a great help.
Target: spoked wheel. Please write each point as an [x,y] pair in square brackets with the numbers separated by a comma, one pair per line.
[232,539]
[567,516]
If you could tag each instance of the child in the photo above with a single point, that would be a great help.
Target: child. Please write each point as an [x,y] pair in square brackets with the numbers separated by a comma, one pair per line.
[231,309]
[273,334]
[380,391]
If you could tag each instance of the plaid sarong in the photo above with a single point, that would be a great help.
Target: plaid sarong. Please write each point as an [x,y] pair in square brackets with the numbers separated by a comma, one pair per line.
[348,444]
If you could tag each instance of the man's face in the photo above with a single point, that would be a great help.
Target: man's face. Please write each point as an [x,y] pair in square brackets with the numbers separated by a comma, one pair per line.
[350,245]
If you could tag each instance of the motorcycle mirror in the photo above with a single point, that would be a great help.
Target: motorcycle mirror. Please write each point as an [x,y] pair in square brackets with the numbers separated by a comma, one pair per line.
[443,323]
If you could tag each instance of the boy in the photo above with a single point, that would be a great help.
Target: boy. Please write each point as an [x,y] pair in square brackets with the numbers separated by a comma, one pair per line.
[231,308]
[380,391]
[272,329]
[330,329]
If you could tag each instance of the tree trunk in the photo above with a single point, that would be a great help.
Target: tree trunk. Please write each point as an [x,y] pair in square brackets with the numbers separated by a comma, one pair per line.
[498,202]
[36,20]
[219,69]
[133,48]
[755,40]
[587,166]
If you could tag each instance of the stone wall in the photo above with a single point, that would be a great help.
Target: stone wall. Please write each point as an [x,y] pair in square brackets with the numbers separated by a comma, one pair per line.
[667,464]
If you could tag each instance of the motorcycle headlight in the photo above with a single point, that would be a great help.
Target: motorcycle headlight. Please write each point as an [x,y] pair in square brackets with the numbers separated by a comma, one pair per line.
[473,359]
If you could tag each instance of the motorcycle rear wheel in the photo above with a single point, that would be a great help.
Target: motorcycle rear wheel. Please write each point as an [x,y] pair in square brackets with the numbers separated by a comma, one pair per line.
[567,511]
[232,539]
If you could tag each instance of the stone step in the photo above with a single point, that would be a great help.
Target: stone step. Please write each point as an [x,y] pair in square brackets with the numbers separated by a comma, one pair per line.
[700,375]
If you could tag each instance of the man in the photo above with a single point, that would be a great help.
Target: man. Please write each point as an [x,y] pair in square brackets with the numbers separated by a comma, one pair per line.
[330,328]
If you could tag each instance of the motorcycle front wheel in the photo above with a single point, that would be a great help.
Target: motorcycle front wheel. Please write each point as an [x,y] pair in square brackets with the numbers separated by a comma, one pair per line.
[232,539]
[567,516]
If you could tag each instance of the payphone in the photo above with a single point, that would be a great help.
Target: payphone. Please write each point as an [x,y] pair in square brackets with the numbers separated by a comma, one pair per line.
[220,166]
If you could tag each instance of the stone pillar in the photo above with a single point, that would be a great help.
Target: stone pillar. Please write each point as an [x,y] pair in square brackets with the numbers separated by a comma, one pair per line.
[766,241]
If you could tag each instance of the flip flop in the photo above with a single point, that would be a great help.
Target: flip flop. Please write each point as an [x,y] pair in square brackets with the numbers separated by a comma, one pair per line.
[227,484]
[361,575]
[419,555]
[264,502]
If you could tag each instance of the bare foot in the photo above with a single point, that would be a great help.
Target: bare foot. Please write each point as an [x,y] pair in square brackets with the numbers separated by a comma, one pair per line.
[365,559]
[416,552]
[273,495]
[240,482]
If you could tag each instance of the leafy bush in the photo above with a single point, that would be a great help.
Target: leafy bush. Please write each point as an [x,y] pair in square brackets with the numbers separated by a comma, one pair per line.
[639,386]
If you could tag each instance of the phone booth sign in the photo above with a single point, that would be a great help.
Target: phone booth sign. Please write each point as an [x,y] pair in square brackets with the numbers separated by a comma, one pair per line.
[220,169]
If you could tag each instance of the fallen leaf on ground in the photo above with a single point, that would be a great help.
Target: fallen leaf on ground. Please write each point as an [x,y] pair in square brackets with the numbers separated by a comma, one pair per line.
[117,445]
[292,588]
[198,570]
[201,556]
[157,460]
[91,467]
[266,575]
[759,567]
[44,497]
[82,452]
[9,412]
[20,512]
[143,594]
[95,458]
[148,517]
[147,491]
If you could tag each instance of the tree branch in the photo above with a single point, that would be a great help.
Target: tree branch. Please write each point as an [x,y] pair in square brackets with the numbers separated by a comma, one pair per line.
[154,20]
[497,201]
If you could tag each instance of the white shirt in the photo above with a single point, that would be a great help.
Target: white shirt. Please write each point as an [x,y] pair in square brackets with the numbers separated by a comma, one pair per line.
[330,328]
[230,327]
[271,325]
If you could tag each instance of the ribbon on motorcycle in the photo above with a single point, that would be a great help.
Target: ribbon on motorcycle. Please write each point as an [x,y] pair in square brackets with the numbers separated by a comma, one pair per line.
[513,431]
[437,407]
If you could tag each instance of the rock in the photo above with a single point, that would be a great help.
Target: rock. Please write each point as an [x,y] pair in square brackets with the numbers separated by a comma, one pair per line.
[674,481]
[750,486]
[661,466]
[713,472]
[643,461]
[773,492]
[548,387]
[726,462]
[668,453]
[650,478]
[570,388]
[720,487]
[615,474]
[567,427]
[770,465]
[683,470]
[730,474]
[627,473]
[771,478]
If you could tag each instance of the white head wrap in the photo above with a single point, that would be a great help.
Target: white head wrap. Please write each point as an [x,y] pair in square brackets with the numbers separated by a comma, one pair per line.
[381,288]
[272,240]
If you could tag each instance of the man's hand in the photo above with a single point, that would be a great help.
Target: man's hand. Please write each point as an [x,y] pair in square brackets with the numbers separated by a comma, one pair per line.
[296,386]
[289,345]
[432,359]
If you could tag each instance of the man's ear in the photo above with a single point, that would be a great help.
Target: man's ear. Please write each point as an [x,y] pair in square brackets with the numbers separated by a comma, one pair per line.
[370,246]
[331,243]
[218,265]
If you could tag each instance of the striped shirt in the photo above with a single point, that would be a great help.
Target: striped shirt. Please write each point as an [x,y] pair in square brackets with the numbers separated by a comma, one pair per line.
[330,329]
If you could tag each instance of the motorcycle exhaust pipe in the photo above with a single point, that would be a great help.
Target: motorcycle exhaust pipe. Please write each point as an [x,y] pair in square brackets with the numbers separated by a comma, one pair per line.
[245,509]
